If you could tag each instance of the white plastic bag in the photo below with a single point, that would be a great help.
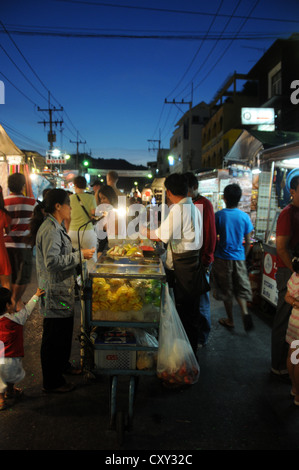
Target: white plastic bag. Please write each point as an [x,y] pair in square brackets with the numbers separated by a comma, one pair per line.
[176,362]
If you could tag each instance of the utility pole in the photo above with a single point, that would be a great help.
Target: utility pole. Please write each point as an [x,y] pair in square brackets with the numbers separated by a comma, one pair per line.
[77,142]
[190,126]
[154,148]
[51,134]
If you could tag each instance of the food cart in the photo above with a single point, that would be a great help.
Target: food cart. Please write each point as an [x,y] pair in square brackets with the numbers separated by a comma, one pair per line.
[123,298]
[277,167]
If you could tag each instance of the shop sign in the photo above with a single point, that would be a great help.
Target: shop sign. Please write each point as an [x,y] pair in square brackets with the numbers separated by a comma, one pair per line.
[254,116]
[269,288]
[52,159]
[15,159]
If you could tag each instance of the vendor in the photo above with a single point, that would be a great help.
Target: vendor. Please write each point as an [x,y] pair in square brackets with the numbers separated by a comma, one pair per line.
[182,231]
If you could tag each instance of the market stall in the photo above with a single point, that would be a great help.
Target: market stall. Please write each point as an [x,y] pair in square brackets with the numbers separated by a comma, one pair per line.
[278,165]
[211,185]
[12,160]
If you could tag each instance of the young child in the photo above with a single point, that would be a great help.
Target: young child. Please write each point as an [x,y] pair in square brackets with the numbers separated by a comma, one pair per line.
[292,334]
[11,343]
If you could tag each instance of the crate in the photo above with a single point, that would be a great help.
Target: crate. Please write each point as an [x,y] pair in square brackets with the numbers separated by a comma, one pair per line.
[114,359]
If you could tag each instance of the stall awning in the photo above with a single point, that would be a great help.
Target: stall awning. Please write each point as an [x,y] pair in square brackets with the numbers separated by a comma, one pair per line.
[7,147]
[250,143]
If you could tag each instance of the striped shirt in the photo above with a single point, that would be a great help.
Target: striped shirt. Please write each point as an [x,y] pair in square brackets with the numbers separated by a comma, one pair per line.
[20,210]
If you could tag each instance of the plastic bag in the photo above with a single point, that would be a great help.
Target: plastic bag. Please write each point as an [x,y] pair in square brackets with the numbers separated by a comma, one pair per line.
[176,364]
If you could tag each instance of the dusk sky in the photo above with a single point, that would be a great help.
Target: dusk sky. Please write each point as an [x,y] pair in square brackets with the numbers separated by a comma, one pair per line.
[111,65]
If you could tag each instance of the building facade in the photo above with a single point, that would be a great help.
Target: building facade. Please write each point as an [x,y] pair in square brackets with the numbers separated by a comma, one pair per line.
[185,143]
[224,126]
[277,73]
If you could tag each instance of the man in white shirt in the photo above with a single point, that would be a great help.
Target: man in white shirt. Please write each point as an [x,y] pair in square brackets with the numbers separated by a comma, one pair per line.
[182,231]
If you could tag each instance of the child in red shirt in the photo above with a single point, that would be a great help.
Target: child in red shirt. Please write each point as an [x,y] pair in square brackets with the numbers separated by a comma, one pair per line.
[11,343]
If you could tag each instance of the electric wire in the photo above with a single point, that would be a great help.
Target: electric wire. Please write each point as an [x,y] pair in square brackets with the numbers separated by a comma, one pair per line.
[167,10]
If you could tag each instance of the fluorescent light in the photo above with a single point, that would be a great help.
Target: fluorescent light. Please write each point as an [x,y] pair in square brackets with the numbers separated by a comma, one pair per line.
[292,161]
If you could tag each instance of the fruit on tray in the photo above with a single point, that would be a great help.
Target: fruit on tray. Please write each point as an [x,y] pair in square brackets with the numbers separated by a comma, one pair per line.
[127,250]
[116,296]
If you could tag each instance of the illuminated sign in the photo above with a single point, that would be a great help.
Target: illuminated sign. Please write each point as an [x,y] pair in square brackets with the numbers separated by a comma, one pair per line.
[254,116]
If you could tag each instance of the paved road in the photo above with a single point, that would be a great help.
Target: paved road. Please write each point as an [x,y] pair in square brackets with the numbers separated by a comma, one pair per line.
[236,404]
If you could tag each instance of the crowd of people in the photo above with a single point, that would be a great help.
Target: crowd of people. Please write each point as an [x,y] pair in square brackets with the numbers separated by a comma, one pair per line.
[62,230]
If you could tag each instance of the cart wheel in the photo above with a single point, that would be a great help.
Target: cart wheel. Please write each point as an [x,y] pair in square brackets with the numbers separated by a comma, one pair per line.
[120,427]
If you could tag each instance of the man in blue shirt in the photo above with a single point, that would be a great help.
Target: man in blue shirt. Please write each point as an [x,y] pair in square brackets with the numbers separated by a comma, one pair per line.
[229,272]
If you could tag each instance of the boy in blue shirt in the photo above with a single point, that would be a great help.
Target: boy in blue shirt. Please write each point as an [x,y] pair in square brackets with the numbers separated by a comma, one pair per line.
[229,272]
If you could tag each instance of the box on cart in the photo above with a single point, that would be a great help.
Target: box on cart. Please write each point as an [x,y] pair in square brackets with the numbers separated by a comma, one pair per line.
[115,358]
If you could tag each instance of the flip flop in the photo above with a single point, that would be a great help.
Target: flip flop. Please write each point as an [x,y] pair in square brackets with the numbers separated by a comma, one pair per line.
[224,322]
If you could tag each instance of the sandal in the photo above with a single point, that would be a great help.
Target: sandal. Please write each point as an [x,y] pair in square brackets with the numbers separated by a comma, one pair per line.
[225,322]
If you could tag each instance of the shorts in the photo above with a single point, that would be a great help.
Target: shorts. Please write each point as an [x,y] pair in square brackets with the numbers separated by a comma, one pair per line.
[230,278]
[21,260]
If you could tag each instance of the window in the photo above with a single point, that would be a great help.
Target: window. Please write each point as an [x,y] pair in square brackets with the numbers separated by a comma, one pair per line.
[274,81]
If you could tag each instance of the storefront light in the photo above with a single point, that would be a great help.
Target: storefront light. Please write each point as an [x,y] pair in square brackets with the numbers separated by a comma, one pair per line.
[293,161]
[170,160]
[56,153]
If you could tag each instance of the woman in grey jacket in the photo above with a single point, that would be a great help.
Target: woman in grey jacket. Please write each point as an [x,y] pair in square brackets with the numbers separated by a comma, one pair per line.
[56,263]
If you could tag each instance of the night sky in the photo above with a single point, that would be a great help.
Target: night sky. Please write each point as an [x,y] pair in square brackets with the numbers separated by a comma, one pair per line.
[111,65]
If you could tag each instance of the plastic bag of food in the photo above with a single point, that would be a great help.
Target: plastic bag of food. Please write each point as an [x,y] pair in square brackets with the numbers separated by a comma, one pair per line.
[176,364]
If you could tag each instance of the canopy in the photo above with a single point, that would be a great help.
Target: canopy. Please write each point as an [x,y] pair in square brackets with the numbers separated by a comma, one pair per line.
[250,143]
[12,160]
[7,147]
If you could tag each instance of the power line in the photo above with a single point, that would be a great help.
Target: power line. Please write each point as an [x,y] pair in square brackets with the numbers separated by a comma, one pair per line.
[20,91]
[168,37]
[167,10]
[214,46]
[33,71]
[22,73]
[198,50]
[229,45]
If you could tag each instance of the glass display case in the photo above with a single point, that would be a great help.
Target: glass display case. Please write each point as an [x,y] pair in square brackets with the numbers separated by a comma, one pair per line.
[122,313]
[126,290]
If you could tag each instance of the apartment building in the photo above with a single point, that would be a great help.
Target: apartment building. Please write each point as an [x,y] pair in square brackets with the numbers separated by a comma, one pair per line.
[224,126]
